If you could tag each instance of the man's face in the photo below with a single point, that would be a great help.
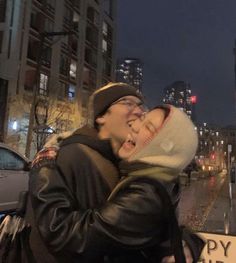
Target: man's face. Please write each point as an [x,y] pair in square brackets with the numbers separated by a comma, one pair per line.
[115,123]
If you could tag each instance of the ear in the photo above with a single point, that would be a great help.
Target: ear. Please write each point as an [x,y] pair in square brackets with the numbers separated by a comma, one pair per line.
[100,120]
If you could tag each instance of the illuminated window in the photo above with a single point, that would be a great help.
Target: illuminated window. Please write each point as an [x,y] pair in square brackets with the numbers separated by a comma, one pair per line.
[73,68]
[75,21]
[105,28]
[71,91]
[43,84]
[104,46]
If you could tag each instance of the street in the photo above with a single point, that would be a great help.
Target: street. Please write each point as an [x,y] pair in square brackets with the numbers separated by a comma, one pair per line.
[205,206]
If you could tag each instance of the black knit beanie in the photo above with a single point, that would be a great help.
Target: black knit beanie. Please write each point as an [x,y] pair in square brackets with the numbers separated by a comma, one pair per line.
[102,98]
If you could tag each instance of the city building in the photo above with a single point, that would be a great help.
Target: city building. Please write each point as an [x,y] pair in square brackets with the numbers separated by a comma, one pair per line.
[53,55]
[180,95]
[130,70]
[217,147]
[229,134]
[211,154]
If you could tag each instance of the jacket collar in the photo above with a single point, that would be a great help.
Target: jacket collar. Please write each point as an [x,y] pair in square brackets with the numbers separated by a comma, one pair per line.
[138,168]
[89,137]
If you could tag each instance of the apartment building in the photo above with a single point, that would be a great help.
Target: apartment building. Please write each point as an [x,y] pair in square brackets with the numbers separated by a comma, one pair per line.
[130,70]
[53,55]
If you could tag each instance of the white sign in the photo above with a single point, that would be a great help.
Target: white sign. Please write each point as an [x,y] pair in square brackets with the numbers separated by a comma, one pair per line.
[229,148]
[218,248]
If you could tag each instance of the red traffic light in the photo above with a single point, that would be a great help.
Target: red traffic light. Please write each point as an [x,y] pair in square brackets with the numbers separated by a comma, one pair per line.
[193,99]
[213,156]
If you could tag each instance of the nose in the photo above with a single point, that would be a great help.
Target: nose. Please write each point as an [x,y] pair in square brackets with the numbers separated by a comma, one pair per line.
[138,110]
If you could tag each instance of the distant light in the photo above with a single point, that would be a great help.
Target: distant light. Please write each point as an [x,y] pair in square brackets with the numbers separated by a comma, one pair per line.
[14,125]
[193,99]
[50,130]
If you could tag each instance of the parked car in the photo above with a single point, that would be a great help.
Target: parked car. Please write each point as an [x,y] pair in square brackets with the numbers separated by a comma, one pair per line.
[14,170]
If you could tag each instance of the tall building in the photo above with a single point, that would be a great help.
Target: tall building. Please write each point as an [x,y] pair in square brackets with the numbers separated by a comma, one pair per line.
[53,55]
[130,70]
[179,94]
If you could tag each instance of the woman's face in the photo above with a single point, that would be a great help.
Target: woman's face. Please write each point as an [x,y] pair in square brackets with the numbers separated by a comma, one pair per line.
[142,131]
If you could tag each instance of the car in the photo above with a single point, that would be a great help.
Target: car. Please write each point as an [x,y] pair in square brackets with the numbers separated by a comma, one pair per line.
[14,177]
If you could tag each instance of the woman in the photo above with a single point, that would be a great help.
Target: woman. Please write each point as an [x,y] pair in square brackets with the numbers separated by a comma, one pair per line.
[132,219]
[162,143]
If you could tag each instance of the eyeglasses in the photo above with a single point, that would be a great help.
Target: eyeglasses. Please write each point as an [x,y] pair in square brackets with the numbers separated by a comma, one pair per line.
[130,104]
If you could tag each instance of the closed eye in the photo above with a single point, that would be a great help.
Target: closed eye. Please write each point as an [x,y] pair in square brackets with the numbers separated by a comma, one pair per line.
[151,128]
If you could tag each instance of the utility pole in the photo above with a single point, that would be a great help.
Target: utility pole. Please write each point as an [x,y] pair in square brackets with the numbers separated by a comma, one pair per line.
[36,85]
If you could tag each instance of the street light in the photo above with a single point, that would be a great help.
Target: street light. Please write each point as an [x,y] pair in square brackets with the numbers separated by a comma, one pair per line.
[36,85]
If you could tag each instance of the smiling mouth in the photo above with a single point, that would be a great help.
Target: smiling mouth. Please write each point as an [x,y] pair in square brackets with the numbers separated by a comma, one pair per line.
[129,143]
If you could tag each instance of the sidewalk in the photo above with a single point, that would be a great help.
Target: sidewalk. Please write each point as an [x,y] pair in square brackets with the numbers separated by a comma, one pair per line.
[222,216]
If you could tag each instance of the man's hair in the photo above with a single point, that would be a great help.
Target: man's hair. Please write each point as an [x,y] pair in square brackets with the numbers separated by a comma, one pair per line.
[103,97]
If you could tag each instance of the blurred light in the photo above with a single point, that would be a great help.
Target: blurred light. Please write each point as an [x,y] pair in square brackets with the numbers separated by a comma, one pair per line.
[193,99]
[14,125]
[213,156]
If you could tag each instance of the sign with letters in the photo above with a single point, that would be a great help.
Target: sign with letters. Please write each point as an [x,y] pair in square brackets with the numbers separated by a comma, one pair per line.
[218,249]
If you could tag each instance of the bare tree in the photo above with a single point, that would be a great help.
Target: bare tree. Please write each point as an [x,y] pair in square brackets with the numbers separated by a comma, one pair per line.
[51,116]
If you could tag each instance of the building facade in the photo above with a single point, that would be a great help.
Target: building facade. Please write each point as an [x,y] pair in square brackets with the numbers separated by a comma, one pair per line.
[211,152]
[130,70]
[53,55]
[179,94]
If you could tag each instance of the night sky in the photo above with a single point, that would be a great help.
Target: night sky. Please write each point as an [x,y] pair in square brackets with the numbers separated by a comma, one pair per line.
[189,40]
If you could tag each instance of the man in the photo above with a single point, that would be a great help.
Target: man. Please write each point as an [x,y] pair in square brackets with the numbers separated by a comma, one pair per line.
[63,196]
[69,194]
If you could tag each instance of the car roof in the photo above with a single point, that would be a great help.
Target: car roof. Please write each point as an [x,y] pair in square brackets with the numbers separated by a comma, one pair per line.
[3,145]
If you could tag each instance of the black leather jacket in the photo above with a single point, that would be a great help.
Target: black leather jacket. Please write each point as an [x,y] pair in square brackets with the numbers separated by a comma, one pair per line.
[78,224]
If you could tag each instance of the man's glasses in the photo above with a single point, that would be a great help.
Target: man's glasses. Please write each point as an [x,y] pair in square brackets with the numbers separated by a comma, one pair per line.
[130,104]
